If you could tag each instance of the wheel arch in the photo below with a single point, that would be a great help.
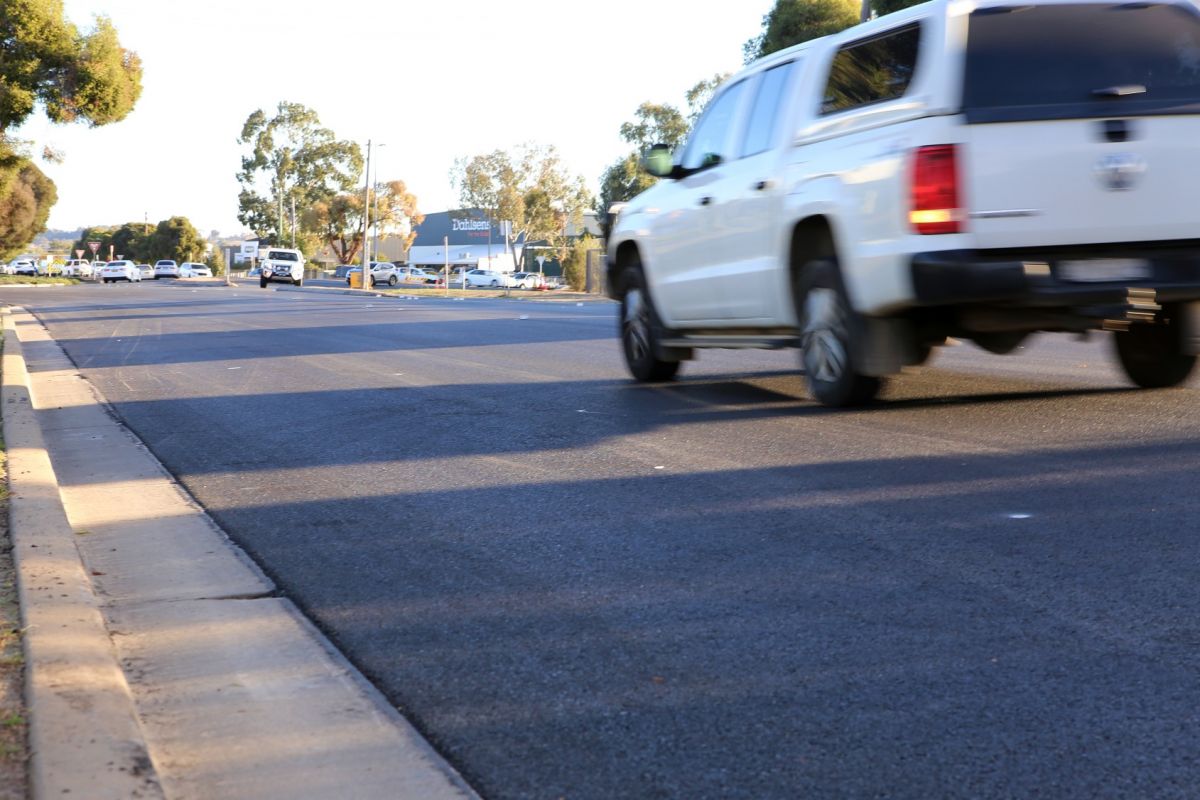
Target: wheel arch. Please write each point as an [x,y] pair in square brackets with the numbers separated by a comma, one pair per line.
[627,253]
[812,238]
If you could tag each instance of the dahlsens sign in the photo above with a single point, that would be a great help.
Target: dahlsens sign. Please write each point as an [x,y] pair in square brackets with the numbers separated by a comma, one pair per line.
[470,224]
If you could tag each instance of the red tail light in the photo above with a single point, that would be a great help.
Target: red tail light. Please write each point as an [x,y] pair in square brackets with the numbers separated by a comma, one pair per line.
[935,207]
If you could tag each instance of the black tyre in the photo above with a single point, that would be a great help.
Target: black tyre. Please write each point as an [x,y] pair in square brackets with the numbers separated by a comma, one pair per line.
[641,331]
[1152,355]
[495,284]
[827,346]
[392,281]
[298,282]
[262,283]
[348,282]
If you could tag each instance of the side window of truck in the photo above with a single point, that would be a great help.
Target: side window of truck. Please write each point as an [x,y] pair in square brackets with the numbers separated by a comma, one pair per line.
[872,70]
[764,114]
[706,146]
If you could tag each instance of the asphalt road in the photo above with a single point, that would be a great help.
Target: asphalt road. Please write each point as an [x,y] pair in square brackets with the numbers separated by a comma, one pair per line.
[578,587]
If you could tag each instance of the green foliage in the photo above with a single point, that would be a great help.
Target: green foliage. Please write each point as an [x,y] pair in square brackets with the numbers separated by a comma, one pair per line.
[881,7]
[793,21]
[623,180]
[529,186]
[291,159]
[338,221]
[26,197]
[654,123]
[216,261]
[575,262]
[74,75]
[175,238]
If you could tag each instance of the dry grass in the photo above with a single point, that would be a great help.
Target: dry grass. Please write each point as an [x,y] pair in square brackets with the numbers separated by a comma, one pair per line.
[13,749]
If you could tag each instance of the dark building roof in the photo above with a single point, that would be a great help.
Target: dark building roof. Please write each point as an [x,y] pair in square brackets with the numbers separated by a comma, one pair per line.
[467,226]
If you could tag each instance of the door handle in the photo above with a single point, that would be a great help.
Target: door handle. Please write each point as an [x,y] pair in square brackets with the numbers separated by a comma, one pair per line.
[704,201]
[763,185]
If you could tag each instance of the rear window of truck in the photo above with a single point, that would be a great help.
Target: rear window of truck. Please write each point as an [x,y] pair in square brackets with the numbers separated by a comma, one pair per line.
[1081,61]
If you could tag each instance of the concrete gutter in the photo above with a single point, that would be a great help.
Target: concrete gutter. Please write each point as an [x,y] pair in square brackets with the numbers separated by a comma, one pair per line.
[84,736]
[161,662]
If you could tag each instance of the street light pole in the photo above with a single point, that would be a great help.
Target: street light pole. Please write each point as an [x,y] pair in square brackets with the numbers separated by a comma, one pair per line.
[366,243]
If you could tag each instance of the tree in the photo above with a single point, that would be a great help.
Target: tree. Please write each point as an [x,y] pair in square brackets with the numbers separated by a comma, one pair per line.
[175,238]
[291,160]
[881,7]
[217,260]
[102,234]
[654,123]
[26,196]
[793,21]
[575,263]
[529,186]
[73,76]
[338,222]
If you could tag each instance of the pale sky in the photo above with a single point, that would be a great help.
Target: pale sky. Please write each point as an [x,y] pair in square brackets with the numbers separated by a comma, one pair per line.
[434,81]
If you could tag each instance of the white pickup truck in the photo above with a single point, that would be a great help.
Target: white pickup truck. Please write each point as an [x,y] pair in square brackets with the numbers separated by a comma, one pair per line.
[981,170]
[281,264]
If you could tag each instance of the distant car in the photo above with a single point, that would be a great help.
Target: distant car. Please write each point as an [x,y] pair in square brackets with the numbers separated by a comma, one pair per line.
[530,280]
[282,264]
[381,272]
[489,278]
[23,266]
[191,269]
[343,270]
[78,268]
[147,271]
[165,268]
[120,271]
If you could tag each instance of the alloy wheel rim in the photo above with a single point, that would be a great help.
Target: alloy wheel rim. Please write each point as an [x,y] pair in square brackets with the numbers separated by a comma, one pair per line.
[824,335]
[637,325]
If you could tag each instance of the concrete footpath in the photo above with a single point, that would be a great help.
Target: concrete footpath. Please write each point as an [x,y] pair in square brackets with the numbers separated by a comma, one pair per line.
[160,661]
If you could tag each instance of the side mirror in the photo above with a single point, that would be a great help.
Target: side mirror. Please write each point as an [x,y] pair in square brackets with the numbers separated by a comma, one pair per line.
[659,162]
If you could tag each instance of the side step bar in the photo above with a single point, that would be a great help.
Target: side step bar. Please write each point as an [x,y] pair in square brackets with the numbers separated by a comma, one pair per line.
[735,341]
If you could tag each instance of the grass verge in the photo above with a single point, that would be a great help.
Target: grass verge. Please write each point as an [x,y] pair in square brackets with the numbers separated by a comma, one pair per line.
[13,722]
[28,279]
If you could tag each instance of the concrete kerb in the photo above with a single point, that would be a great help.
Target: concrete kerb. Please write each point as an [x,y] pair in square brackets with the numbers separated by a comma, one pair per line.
[234,693]
[84,735]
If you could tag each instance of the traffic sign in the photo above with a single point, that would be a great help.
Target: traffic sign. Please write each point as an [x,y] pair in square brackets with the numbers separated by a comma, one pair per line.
[79,254]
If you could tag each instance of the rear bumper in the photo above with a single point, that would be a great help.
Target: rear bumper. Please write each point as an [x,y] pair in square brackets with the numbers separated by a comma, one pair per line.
[1037,278]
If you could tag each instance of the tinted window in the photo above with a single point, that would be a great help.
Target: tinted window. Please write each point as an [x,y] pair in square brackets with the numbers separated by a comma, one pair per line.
[760,126]
[706,145]
[281,255]
[872,70]
[1062,61]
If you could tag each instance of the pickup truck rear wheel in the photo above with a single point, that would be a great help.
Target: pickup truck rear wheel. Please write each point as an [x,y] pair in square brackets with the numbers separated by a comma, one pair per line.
[640,331]
[1152,355]
[827,346]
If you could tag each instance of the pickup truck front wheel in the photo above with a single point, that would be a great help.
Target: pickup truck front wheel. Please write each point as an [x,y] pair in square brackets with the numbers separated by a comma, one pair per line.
[262,282]
[827,346]
[1152,355]
[640,331]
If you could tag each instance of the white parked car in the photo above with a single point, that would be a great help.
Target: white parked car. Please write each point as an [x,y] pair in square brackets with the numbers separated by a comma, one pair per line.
[165,268]
[530,280]
[381,272]
[191,269]
[120,271]
[490,279]
[77,267]
[147,271]
[24,266]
